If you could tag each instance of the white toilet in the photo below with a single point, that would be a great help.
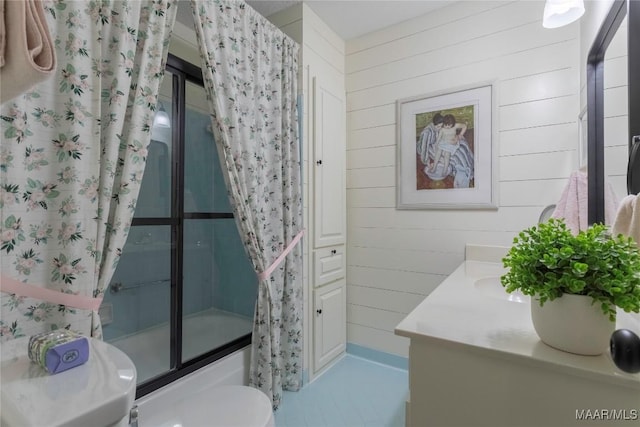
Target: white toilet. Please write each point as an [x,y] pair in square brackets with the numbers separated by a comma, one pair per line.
[100,392]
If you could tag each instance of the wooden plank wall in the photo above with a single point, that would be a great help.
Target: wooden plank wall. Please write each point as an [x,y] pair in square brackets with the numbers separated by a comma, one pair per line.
[395,258]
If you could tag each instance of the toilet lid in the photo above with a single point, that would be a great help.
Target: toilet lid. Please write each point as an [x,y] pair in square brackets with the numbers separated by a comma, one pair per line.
[99,392]
[216,406]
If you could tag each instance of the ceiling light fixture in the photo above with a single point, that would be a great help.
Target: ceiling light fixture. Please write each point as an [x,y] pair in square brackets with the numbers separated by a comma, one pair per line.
[161,118]
[558,13]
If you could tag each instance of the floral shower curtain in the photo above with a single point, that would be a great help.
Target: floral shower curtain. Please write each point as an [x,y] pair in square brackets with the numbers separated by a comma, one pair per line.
[72,156]
[250,72]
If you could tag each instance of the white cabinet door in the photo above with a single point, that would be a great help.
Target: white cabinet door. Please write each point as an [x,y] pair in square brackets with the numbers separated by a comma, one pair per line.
[329,137]
[330,323]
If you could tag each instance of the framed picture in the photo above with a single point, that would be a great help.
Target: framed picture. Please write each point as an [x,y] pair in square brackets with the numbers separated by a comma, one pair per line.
[445,150]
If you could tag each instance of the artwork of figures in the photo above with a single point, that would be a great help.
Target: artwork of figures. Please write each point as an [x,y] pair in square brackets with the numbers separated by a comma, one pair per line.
[444,146]
[445,150]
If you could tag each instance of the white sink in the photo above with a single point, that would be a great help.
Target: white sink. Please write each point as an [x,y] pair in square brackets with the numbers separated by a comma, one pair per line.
[491,287]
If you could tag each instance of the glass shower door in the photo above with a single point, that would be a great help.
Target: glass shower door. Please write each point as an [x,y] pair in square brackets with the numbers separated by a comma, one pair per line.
[137,305]
[219,285]
[184,292]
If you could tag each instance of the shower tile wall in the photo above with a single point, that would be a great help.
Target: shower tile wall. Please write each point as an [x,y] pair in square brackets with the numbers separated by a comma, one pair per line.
[235,284]
[138,307]
[225,281]
[236,290]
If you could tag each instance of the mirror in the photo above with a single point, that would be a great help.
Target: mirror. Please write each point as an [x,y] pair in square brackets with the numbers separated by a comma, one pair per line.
[605,102]
[616,113]
[616,121]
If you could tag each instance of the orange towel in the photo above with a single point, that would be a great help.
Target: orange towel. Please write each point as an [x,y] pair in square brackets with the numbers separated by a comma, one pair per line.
[29,53]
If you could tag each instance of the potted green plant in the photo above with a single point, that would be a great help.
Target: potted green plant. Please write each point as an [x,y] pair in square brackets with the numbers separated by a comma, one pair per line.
[575,281]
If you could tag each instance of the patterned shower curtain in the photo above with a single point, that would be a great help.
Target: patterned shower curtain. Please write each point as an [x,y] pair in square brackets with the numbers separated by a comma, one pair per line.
[72,156]
[250,72]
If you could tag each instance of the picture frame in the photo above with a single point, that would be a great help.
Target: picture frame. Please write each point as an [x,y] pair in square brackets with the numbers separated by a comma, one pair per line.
[446,156]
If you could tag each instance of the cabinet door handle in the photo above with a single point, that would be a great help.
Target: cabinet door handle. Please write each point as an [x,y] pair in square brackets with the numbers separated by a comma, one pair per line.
[333,251]
[319,311]
[319,162]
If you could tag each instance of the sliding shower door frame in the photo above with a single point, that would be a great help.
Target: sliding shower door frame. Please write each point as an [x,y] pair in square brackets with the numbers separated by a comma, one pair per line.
[182,72]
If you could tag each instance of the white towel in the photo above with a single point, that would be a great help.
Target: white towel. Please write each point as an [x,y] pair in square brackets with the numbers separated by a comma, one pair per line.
[628,219]
[29,54]
[573,206]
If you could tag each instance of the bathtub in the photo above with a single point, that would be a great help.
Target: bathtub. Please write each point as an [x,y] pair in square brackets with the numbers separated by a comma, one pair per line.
[157,408]
[202,331]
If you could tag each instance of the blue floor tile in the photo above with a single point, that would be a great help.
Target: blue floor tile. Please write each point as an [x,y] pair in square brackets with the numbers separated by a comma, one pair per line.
[353,393]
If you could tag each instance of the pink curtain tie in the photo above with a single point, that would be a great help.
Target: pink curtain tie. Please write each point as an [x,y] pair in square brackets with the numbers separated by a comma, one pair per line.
[12,286]
[265,274]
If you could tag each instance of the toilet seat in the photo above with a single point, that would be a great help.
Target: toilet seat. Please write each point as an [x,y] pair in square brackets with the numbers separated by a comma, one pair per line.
[98,393]
[226,406]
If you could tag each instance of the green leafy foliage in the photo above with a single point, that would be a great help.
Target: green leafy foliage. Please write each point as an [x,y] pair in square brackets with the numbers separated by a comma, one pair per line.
[547,261]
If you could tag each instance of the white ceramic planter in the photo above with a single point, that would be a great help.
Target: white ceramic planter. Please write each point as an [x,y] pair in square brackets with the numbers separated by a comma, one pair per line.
[571,323]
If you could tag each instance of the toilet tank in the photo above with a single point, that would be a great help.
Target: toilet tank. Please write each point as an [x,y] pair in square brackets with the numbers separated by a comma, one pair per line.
[98,393]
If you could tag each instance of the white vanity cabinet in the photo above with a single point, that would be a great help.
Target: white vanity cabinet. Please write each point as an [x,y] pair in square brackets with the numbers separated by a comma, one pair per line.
[475,359]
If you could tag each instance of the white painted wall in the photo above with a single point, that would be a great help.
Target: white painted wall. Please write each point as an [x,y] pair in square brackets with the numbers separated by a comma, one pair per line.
[395,258]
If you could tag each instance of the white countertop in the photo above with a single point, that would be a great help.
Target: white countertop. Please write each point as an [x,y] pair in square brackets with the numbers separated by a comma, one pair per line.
[485,319]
